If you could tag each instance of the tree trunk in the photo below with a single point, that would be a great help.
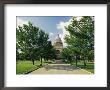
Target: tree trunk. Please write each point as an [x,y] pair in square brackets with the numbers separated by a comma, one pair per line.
[84,63]
[70,60]
[41,61]
[33,61]
[76,60]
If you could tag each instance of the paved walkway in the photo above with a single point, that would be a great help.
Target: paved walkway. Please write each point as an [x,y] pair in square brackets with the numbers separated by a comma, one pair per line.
[59,68]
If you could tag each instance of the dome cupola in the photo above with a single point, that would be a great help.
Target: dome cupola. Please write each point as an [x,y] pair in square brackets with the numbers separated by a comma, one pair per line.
[58,39]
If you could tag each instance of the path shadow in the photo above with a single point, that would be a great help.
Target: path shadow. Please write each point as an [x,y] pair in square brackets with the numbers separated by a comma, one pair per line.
[59,62]
[61,67]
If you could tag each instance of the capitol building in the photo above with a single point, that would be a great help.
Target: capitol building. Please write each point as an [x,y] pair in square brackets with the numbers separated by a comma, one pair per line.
[58,45]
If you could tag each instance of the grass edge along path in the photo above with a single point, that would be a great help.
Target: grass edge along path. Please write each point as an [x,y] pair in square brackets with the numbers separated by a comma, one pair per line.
[89,67]
[25,67]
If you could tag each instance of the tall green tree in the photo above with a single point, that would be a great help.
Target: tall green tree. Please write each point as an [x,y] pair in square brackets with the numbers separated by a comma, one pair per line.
[49,51]
[33,43]
[27,39]
[81,37]
[66,54]
[42,42]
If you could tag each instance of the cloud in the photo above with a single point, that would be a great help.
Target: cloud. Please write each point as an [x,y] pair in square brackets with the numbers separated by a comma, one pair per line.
[61,26]
[20,22]
[51,34]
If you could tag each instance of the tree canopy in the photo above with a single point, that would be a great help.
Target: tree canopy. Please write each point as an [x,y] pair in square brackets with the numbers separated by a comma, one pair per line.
[81,38]
[32,43]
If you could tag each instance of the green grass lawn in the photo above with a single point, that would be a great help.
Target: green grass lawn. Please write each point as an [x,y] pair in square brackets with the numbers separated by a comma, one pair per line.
[89,67]
[26,66]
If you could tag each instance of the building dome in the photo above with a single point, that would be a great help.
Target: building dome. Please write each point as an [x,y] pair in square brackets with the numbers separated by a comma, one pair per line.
[58,40]
[58,43]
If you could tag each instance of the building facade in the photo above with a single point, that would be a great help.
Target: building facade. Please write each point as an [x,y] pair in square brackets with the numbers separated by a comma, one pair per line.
[58,45]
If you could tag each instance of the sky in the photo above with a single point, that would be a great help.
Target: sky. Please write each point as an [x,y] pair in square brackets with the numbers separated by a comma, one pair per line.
[53,25]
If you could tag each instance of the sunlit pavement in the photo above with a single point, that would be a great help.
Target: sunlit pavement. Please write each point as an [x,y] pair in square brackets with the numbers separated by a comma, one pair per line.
[60,69]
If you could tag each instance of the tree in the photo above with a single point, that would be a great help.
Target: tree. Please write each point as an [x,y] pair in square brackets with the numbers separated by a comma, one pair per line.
[17,52]
[49,51]
[42,42]
[33,43]
[27,39]
[66,54]
[81,37]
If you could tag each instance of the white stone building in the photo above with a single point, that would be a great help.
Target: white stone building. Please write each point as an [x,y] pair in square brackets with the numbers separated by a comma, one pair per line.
[58,45]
